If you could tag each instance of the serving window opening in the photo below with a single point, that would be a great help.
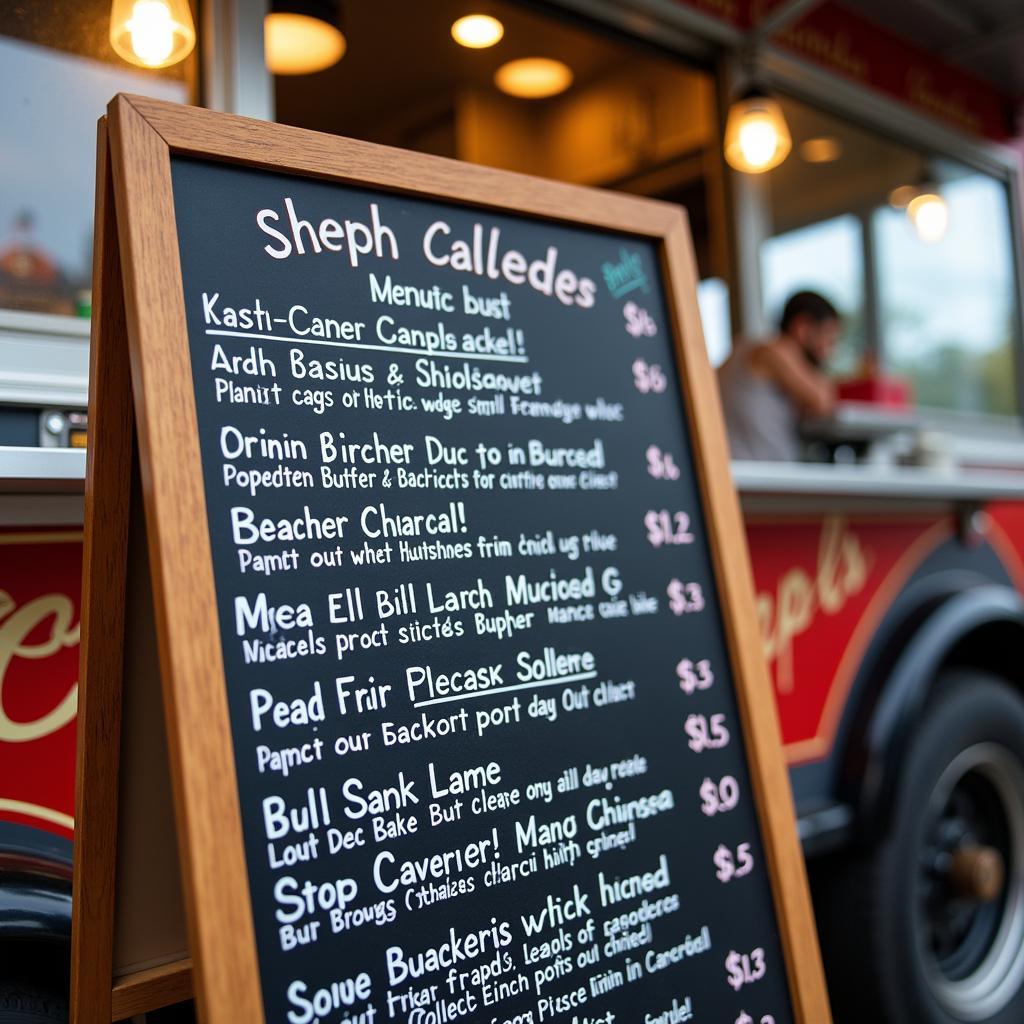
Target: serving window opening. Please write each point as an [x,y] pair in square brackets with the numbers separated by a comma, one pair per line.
[552,97]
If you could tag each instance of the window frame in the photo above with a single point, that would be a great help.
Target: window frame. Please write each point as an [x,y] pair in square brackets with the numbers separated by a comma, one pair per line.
[231,77]
[827,92]
[869,310]
[884,347]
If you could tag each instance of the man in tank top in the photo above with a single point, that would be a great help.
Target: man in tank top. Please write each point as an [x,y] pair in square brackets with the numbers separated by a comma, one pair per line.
[768,387]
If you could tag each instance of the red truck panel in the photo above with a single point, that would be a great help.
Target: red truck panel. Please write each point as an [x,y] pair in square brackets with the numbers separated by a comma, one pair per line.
[40,588]
[823,585]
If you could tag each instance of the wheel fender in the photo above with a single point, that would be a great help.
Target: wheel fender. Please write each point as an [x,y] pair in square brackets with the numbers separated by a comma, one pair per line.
[34,909]
[876,755]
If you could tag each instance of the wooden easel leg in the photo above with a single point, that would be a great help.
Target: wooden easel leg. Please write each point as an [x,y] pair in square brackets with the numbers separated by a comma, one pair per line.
[107,500]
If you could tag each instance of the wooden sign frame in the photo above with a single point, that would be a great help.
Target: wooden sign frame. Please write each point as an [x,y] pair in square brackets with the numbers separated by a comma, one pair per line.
[139,310]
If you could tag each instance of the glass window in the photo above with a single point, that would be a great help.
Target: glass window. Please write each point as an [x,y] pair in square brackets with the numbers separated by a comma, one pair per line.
[818,201]
[713,299]
[930,292]
[827,257]
[947,306]
[50,100]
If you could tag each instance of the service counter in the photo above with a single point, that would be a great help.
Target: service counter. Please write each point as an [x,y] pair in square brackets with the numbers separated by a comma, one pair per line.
[815,487]
[41,487]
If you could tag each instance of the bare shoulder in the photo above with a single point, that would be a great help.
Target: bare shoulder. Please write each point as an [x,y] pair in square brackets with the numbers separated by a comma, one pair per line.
[749,355]
[770,358]
[775,354]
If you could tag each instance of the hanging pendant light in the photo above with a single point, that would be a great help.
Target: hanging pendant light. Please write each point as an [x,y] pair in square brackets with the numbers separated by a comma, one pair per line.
[756,134]
[152,33]
[477,31]
[925,206]
[929,214]
[302,36]
[533,78]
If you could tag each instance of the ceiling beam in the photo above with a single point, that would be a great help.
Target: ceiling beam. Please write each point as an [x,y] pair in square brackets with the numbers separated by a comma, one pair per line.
[956,14]
[965,49]
[779,18]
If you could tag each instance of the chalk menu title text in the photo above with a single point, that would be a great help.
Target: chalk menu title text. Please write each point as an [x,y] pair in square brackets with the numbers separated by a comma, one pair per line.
[482,254]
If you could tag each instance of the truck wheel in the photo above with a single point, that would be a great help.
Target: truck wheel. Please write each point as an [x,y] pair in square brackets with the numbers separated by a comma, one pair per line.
[928,926]
[21,1005]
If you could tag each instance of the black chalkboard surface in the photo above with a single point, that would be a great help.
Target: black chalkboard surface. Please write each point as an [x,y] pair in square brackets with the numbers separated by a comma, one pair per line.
[492,754]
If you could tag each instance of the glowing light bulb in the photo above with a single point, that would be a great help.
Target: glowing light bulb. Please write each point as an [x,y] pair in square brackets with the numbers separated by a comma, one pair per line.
[759,141]
[477,31]
[929,214]
[152,32]
[756,135]
[298,44]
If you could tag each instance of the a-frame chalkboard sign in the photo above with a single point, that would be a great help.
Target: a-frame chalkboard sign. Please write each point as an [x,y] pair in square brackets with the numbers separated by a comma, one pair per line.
[464,709]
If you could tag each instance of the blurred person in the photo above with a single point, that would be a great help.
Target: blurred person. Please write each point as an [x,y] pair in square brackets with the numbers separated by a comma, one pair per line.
[768,386]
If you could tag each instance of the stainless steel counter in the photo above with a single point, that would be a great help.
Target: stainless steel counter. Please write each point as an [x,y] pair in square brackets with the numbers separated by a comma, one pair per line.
[41,487]
[813,487]
[42,470]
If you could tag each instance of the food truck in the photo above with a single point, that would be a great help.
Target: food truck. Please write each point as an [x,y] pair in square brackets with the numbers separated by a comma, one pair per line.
[888,563]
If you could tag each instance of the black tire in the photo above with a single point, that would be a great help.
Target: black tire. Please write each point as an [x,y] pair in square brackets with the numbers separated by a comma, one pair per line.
[27,1005]
[901,945]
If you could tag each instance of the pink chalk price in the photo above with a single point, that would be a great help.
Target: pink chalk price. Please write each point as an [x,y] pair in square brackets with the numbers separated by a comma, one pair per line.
[706,733]
[719,797]
[666,527]
[745,968]
[729,865]
[694,677]
[649,378]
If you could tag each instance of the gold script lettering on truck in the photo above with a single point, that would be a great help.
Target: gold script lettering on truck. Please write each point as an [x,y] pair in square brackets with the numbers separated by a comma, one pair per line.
[40,583]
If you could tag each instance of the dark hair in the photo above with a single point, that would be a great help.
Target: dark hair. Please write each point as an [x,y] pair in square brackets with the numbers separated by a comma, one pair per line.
[810,304]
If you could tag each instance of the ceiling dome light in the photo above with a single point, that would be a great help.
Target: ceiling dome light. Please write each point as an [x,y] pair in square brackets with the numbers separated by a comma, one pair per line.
[825,149]
[302,36]
[477,31]
[756,134]
[929,214]
[152,33]
[533,78]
